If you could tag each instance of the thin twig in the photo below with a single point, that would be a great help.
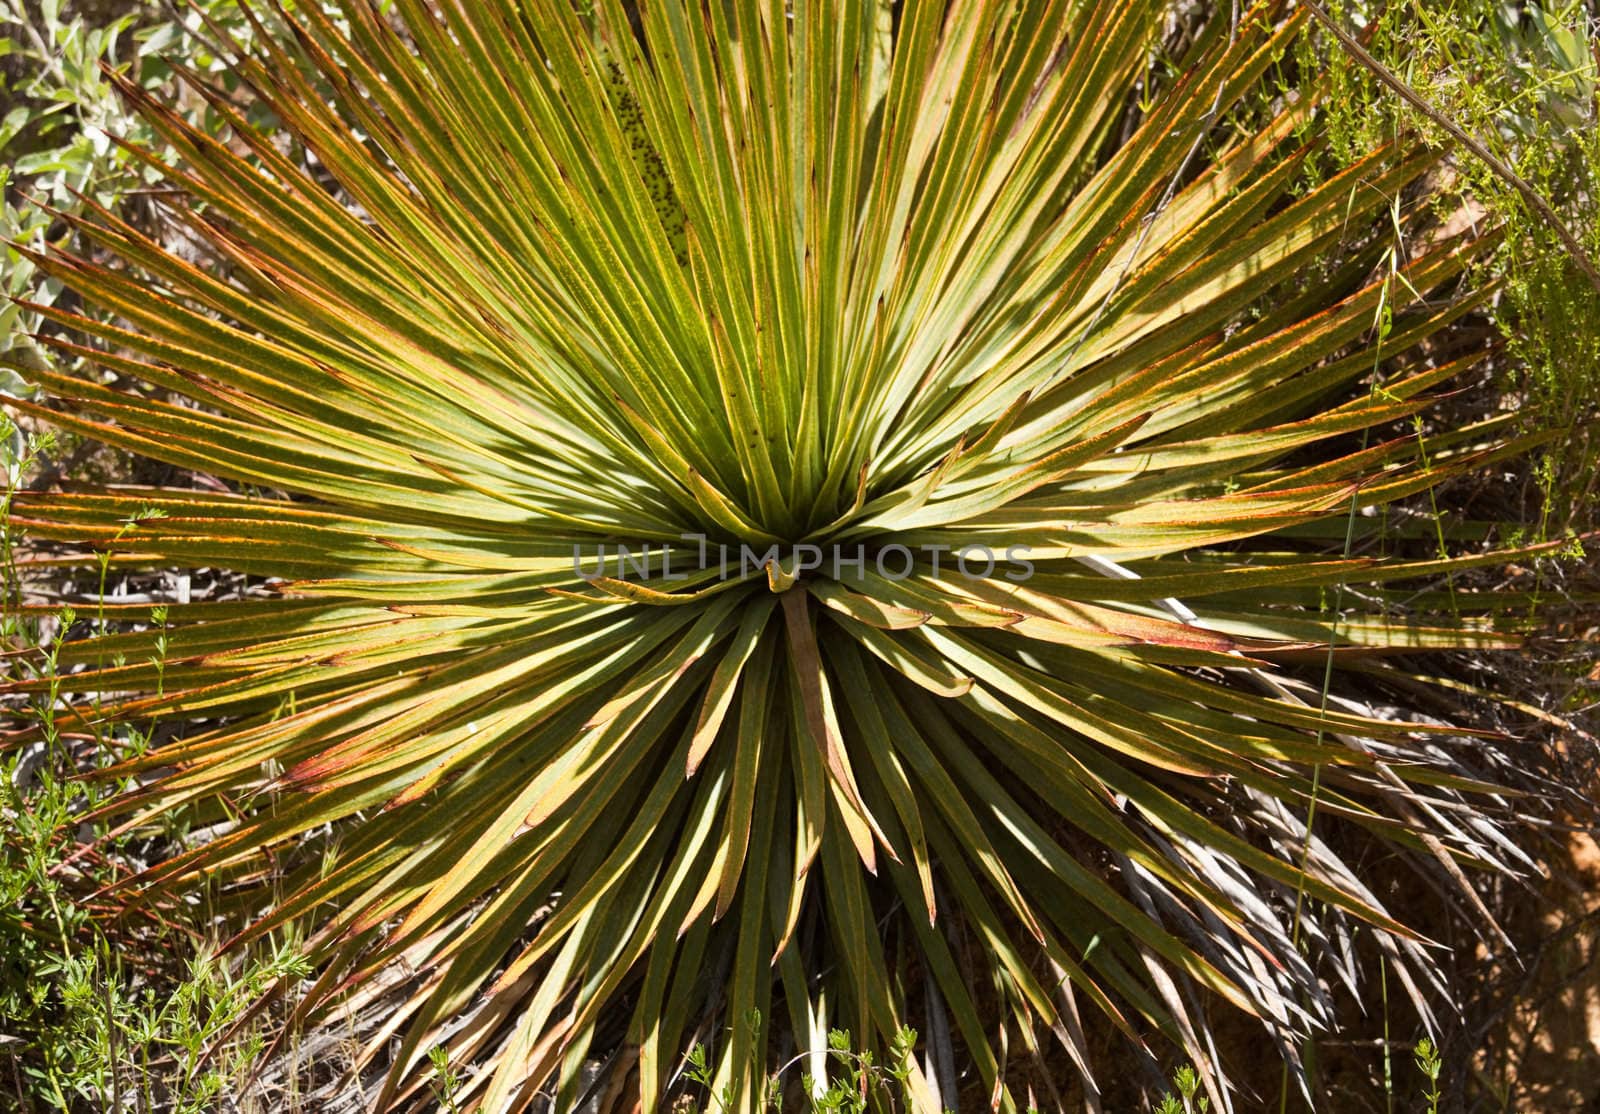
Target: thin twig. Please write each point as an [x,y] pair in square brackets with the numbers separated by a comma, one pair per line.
[1416,101]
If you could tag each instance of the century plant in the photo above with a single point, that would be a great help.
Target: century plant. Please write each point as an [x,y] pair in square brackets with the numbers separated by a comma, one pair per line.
[824,304]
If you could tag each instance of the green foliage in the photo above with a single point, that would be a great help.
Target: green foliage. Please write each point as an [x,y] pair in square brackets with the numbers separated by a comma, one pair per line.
[1429,1064]
[858,1085]
[1521,79]
[481,287]
[446,1079]
[861,1085]
[84,1024]
[61,116]
[1188,1100]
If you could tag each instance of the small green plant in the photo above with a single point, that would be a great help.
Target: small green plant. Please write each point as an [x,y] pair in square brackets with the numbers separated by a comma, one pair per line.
[1188,1099]
[446,1082]
[1430,1065]
[862,1084]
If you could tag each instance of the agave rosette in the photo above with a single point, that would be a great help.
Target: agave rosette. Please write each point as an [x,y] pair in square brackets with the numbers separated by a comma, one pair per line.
[528,281]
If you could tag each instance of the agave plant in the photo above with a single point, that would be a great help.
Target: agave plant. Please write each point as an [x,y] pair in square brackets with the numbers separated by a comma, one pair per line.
[764,518]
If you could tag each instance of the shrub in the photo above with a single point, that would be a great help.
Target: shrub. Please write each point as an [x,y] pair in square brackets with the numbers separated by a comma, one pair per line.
[1521,80]
[90,1019]
[756,293]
